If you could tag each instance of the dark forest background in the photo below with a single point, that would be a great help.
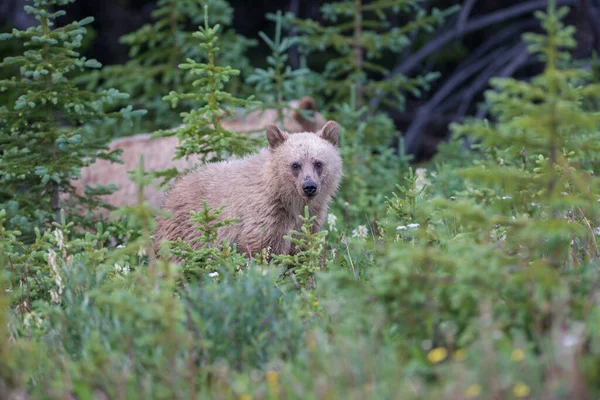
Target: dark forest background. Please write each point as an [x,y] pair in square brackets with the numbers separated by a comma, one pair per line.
[481,41]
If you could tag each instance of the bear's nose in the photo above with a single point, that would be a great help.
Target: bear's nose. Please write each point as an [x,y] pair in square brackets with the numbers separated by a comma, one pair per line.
[310,188]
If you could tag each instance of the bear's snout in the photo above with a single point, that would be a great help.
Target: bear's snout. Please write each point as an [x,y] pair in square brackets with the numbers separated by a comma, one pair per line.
[310,188]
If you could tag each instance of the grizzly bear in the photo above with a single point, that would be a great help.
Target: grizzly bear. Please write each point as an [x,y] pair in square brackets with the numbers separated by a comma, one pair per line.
[159,152]
[266,192]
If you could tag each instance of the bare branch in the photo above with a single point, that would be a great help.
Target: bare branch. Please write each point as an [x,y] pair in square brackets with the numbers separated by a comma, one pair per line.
[464,14]
[450,34]
[518,55]
[412,137]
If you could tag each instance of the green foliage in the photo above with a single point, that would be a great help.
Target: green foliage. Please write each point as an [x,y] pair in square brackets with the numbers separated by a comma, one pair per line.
[202,133]
[157,49]
[475,276]
[360,38]
[279,82]
[307,254]
[361,34]
[47,132]
[205,256]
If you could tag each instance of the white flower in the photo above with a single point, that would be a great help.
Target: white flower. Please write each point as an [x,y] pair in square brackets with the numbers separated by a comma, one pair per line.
[55,296]
[506,197]
[122,269]
[142,251]
[412,226]
[58,235]
[55,269]
[344,239]
[360,232]
[401,228]
[570,340]
[331,219]
[121,246]
[421,180]
[213,274]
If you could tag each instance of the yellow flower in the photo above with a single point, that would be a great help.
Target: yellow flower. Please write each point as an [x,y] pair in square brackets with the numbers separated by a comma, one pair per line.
[460,355]
[272,376]
[473,391]
[273,381]
[437,355]
[517,355]
[521,390]
[245,397]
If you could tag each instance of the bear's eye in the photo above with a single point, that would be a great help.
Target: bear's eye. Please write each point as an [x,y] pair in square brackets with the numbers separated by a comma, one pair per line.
[295,166]
[318,164]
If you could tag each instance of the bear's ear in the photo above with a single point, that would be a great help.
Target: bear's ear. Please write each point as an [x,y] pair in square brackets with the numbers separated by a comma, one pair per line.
[306,103]
[275,136]
[330,132]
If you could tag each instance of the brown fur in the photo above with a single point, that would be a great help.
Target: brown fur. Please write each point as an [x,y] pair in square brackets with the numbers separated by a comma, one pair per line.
[264,191]
[158,153]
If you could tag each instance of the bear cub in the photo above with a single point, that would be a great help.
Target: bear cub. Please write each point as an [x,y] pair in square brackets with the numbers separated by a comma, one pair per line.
[267,191]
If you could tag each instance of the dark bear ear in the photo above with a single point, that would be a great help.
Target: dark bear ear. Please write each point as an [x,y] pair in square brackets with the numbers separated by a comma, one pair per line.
[330,132]
[275,136]
[306,103]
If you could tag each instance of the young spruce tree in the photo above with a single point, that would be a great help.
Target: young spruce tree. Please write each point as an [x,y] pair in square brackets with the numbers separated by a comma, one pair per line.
[157,49]
[49,132]
[202,133]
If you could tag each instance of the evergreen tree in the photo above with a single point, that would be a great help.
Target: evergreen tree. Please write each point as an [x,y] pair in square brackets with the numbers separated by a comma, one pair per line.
[520,234]
[156,50]
[279,83]
[202,133]
[49,132]
[360,33]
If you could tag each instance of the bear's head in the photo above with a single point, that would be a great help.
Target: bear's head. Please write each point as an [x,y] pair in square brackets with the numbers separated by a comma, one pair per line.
[306,165]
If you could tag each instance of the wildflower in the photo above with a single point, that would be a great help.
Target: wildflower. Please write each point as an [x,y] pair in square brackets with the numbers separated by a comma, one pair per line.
[122,269]
[412,226]
[331,219]
[58,235]
[54,266]
[273,381]
[521,390]
[54,296]
[473,391]
[437,355]
[213,274]
[121,246]
[506,198]
[517,355]
[360,232]
[401,228]
[32,317]
[245,397]
[344,239]
[421,182]
[570,340]
[460,355]
[142,251]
